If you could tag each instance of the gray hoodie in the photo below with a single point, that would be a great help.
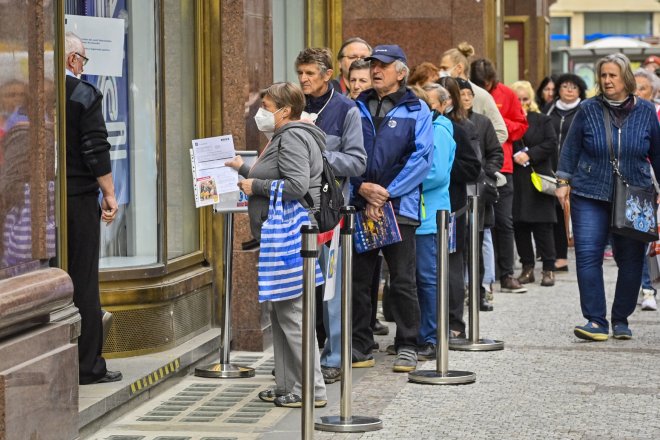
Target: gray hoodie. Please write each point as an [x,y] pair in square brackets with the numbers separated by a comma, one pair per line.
[293,155]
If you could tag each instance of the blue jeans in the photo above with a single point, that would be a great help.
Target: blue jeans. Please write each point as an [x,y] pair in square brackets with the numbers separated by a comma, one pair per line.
[591,220]
[646,277]
[331,356]
[426,287]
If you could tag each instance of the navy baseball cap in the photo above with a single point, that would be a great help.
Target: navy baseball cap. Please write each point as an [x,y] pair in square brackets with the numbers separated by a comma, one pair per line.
[387,53]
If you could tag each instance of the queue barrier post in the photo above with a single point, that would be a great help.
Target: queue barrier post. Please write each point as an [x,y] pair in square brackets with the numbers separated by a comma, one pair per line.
[442,375]
[474,342]
[309,255]
[346,421]
[225,369]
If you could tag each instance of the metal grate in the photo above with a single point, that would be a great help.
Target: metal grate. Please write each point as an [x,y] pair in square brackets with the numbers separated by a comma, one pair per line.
[156,327]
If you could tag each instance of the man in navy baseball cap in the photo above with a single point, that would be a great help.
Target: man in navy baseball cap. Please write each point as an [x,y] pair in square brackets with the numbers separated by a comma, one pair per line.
[387,53]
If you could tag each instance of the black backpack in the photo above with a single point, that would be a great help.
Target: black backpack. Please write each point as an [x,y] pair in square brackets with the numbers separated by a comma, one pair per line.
[332,199]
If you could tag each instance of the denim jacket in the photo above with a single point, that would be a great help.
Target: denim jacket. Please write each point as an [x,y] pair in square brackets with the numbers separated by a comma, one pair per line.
[585,157]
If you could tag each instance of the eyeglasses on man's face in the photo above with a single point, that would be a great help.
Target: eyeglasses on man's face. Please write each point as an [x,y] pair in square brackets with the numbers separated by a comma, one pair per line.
[84,59]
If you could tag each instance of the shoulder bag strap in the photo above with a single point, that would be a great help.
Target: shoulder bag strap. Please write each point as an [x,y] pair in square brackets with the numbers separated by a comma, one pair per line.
[608,136]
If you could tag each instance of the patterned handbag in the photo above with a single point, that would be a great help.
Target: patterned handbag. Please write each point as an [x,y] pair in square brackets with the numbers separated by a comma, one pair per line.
[280,267]
[633,207]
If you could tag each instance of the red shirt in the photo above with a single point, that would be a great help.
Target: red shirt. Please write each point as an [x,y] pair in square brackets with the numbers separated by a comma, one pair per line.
[514,118]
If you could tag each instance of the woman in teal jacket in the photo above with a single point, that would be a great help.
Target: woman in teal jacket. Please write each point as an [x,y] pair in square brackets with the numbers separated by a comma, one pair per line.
[435,197]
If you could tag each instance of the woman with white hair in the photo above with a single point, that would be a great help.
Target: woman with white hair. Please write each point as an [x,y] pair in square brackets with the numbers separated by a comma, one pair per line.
[584,165]
[648,85]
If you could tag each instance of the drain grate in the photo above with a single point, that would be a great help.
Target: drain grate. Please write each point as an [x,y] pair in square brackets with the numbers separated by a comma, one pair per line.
[172,438]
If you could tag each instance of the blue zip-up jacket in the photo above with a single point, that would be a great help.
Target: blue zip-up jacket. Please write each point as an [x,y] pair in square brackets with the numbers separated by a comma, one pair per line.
[398,154]
[435,188]
[340,121]
[585,157]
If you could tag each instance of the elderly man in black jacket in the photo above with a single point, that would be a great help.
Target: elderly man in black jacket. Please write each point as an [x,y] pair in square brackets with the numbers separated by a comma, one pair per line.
[87,170]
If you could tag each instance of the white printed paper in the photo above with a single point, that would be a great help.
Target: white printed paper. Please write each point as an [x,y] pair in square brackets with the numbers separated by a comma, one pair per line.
[103,39]
[210,174]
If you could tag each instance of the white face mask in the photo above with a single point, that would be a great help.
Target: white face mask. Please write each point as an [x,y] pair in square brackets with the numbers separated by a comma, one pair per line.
[444,73]
[265,120]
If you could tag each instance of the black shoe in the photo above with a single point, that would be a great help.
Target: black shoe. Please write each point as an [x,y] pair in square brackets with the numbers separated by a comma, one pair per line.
[375,346]
[330,374]
[391,350]
[381,329]
[295,401]
[426,352]
[110,376]
[485,305]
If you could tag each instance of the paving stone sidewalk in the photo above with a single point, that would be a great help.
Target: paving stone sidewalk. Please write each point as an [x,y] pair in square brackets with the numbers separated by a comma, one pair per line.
[545,384]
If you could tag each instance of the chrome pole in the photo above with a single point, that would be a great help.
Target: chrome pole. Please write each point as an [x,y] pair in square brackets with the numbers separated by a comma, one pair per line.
[346,421]
[474,342]
[309,254]
[224,369]
[442,375]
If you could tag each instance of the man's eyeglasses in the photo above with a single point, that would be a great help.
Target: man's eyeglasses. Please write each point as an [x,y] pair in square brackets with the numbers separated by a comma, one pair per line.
[85,60]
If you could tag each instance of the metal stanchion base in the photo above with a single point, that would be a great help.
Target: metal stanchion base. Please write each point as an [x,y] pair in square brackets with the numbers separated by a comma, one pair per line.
[434,377]
[483,344]
[222,371]
[353,424]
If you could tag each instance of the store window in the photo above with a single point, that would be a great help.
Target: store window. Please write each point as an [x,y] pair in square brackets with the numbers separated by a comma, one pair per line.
[179,53]
[131,110]
[288,37]
[560,38]
[27,141]
[623,24]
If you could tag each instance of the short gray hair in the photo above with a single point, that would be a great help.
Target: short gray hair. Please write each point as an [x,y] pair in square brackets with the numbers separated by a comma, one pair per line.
[626,72]
[651,77]
[402,67]
[72,43]
[443,94]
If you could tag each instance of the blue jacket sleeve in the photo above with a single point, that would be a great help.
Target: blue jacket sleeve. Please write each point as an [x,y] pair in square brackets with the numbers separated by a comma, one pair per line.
[570,151]
[419,163]
[351,159]
[443,158]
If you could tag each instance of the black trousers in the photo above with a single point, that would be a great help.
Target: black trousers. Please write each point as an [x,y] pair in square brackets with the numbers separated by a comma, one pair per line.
[400,258]
[503,230]
[544,239]
[83,218]
[561,241]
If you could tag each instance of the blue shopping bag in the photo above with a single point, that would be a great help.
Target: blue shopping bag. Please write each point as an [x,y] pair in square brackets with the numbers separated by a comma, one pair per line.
[280,267]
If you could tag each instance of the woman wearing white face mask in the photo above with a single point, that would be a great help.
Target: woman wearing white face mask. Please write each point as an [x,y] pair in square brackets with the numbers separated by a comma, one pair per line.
[294,156]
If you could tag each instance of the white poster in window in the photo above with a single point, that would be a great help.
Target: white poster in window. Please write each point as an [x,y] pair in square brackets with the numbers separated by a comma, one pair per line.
[103,39]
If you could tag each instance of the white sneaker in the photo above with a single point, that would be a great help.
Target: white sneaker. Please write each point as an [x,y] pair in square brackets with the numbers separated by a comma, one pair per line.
[649,302]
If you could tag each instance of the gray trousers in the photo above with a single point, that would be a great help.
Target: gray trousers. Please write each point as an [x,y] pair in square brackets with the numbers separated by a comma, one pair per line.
[286,320]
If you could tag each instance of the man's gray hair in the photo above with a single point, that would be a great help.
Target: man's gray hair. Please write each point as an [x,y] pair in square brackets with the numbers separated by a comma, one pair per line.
[72,43]
[651,77]
[402,67]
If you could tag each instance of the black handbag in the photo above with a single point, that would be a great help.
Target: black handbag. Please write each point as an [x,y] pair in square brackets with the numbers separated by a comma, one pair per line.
[487,187]
[634,208]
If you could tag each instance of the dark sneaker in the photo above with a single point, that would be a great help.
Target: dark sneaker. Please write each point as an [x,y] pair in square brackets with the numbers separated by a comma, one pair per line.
[485,305]
[527,275]
[391,350]
[330,374]
[361,360]
[295,401]
[268,395]
[426,352]
[548,278]
[456,336]
[406,360]
[512,285]
[591,332]
[621,331]
[381,329]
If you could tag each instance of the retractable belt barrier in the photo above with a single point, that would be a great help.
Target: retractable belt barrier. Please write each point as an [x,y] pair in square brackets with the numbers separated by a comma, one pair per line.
[442,375]
[346,421]
[474,342]
[224,369]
